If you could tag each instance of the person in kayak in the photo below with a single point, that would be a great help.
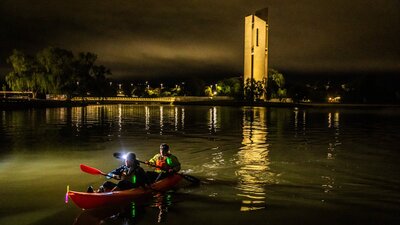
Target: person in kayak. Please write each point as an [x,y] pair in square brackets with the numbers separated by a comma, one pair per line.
[131,175]
[166,164]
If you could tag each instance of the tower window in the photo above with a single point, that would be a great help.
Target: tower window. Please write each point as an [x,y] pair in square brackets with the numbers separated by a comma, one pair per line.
[257,37]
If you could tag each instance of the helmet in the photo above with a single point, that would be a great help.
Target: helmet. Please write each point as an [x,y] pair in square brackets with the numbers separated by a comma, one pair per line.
[131,156]
[164,147]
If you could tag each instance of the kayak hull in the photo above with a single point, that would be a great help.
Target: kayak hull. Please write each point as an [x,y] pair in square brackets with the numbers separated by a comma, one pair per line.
[86,200]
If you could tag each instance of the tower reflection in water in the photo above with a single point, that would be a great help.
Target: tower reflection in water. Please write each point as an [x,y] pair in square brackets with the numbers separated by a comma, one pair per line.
[253,160]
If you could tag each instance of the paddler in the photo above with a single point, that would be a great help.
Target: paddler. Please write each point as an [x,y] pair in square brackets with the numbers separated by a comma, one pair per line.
[131,175]
[164,162]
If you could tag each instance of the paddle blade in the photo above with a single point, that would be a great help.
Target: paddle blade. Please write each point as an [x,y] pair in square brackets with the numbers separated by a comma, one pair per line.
[91,170]
[190,178]
[118,155]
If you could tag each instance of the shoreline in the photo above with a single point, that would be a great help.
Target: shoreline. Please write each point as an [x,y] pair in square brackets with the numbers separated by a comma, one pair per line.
[14,104]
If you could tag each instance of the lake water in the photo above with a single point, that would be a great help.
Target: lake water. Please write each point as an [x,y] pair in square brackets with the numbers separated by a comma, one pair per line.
[257,165]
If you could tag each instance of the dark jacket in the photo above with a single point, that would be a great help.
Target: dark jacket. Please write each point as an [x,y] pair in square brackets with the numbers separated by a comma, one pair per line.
[131,177]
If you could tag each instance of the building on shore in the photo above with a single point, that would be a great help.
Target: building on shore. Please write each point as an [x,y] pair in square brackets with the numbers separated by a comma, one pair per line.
[256,48]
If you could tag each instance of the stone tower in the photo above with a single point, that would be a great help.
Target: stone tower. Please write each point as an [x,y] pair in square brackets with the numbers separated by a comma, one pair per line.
[256,47]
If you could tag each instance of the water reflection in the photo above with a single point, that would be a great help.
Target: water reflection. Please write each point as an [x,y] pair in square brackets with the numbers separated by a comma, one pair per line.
[329,179]
[118,118]
[55,115]
[213,120]
[296,120]
[147,118]
[254,172]
[183,118]
[304,122]
[335,126]
[162,202]
[161,119]
[217,161]
[303,116]
[176,118]
[128,214]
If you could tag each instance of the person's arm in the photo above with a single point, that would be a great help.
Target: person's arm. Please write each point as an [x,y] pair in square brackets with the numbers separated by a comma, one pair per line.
[153,160]
[116,173]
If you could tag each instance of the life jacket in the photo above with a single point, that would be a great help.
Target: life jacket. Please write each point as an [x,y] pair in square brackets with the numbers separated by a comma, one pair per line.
[163,163]
[129,174]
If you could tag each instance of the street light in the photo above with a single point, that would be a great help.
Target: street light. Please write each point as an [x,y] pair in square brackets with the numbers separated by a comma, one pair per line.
[183,88]
[77,88]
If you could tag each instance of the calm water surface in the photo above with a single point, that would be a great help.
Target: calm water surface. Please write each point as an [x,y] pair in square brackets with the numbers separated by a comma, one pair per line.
[257,165]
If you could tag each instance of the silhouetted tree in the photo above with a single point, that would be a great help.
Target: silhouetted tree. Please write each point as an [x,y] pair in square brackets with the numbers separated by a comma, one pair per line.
[55,67]
[25,74]
[194,87]
[276,85]
[56,71]
[253,90]
[232,87]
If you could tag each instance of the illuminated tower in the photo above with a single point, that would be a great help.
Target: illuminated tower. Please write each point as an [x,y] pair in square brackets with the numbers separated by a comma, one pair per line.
[256,47]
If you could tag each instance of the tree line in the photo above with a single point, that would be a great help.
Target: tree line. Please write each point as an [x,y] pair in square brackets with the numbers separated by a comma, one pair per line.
[56,71]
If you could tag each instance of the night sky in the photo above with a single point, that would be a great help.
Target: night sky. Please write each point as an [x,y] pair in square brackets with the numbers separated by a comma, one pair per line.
[204,38]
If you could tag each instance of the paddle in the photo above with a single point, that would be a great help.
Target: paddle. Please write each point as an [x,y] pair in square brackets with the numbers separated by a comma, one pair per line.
[94,171]
[187,177]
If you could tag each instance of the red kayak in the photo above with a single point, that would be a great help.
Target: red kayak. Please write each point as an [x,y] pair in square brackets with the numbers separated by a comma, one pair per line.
[86,200]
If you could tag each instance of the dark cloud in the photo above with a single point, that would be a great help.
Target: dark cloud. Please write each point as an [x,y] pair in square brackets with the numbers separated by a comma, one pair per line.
[156,38]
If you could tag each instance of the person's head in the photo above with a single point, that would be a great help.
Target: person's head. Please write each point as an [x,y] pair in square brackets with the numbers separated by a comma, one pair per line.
[164,149]
[130,159]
